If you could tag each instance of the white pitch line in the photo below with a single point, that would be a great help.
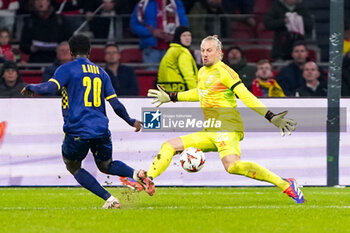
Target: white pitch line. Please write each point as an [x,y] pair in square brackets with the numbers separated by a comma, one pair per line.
[237,192]
[186,208]
[246,207]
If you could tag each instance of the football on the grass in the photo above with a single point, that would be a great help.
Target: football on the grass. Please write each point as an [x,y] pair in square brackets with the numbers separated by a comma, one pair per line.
[192,159]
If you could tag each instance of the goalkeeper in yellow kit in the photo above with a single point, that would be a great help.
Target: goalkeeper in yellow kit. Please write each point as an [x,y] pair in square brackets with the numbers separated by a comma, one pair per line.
[217,88]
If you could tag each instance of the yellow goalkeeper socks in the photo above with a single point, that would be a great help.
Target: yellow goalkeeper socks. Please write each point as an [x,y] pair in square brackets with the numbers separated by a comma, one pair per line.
[161,161]
[257,172]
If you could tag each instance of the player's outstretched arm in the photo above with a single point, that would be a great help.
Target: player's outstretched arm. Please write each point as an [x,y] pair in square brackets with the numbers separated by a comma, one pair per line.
[41,89]
[162,96]
[279,120]
[120,110]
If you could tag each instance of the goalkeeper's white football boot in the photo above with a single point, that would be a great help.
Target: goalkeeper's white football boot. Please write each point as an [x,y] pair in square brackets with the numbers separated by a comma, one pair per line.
[294,192]
[111,203]
[141,177]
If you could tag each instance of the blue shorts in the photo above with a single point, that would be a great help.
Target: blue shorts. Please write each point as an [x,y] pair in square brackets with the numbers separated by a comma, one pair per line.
[76,149]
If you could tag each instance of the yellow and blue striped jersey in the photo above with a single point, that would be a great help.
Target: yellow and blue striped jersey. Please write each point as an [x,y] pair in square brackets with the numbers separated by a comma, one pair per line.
[84,87]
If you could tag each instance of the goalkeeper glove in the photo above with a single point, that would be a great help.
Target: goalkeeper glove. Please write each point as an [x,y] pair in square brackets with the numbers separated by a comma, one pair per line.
[161,96]
[284,124]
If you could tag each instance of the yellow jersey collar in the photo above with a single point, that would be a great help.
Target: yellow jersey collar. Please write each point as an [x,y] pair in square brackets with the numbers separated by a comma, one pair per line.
[208,68]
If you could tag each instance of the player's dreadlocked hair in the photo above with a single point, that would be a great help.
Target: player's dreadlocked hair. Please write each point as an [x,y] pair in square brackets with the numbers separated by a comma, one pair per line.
[217,41]
[79,45]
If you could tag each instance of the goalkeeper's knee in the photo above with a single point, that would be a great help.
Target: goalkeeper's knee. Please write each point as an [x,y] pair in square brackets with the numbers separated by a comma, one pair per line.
[235,168]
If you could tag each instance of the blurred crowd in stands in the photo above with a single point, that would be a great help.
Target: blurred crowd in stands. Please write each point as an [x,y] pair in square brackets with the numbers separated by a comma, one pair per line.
[279,48]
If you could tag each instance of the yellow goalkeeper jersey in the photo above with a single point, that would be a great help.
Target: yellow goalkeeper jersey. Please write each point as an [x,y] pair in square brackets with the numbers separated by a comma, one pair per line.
[217,88]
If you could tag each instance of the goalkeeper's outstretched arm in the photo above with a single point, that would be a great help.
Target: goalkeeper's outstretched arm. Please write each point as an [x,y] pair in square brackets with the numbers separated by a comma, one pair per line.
[284,124]
[121,111]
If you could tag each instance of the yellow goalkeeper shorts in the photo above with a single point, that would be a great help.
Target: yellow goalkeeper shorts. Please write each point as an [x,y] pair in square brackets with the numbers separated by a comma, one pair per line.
[226,143]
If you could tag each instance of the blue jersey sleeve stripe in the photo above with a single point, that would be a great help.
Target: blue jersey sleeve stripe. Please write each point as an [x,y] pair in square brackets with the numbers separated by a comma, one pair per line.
[55,81]
[111,96]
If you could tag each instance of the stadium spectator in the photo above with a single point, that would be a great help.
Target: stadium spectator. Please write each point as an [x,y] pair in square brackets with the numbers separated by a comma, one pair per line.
[6,52]
[237,61]
[86,122]
[264,85]
[312,85]
[178,70]
[290,21]
[11,82]
[219,86]
[8,10]
[42,32]
[345,85]
[290,77]
[63,56]
[154,21]
[123,77]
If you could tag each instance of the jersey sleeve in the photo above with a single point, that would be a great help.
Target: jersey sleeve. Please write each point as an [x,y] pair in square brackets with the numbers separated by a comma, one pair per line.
[231,80]
[61,76]
[228,77]
[249,99]
[189,96]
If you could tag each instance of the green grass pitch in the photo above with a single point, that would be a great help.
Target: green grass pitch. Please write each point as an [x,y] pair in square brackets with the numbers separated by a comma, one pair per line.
[173,209]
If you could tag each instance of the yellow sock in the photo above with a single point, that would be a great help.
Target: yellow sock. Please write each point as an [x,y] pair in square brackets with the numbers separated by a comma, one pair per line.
[161,161]
[255,171]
